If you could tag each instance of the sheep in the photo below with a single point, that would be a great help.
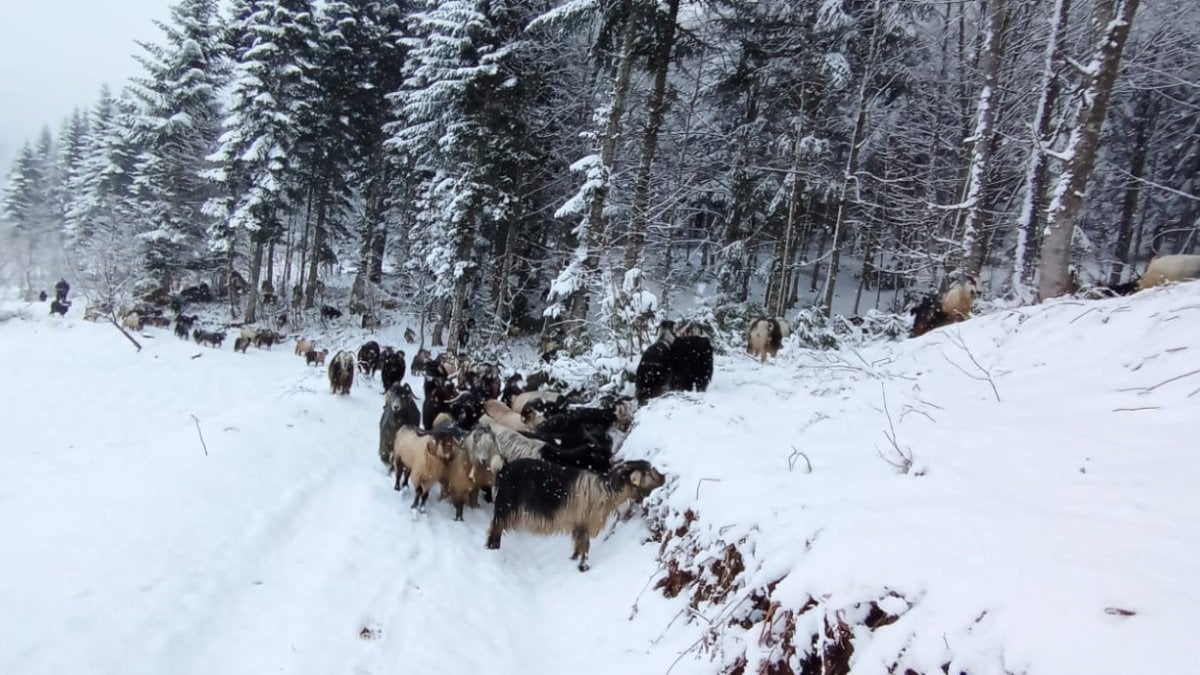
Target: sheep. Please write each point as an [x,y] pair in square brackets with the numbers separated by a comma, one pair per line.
[466,409]
[132,321]
[437,400]
[956,303]
[304,346]
[547,499]
[504,416]
[183,324]
[265,337]
[927,315]
[458,480]
[391,367]
[241,344]
[341,373]
[368,358]
[1166,268]
[691,361]
[766,337]
[512,389]
[578,426]
[213,338]
[525,398]
[314,357]
[59,307]
[482,378]
[494,444]
[653,376]
[421,458]
[328,312]
[934,312]
[420,359]
[409,335]
[399,410]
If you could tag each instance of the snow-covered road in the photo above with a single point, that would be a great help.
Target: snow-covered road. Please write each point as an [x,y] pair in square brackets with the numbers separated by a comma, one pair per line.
[285,549]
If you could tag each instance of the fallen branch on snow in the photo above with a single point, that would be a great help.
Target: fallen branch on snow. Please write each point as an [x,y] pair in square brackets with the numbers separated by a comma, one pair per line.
[197,421]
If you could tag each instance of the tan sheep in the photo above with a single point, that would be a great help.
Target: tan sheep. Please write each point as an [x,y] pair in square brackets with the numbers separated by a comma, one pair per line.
[504,416]
[304,346]
[1167,268]
[956,303]
[421,459]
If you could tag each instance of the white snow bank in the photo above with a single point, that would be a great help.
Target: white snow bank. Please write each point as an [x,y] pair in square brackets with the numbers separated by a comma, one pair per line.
[1034,515]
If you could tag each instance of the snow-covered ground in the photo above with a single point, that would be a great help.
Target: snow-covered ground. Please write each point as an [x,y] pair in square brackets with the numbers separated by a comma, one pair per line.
[1049,522]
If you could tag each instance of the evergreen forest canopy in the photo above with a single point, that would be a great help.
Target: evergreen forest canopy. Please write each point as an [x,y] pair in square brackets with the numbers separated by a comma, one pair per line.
[534,164]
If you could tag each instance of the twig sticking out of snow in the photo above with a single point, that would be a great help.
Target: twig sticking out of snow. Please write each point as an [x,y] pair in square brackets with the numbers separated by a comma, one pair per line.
[796,454]
[905,459]
[1146,390]
[957,340]
[714,480]
[197,421]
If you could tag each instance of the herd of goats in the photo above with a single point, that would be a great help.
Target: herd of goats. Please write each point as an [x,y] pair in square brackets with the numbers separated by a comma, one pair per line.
[544,461]
[934,311]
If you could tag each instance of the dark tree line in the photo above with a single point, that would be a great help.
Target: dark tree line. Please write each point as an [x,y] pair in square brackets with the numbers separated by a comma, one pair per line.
[529,165]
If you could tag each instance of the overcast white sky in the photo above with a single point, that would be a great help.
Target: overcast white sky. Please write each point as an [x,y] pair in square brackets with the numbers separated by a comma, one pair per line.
[55,54]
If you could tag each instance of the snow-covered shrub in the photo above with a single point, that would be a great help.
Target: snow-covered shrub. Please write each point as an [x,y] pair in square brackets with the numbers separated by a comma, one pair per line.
[603,369]
[876,325]
[811,330]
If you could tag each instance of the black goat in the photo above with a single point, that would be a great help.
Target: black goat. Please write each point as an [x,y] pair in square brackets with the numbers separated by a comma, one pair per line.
[399,410]
[653,376]
[547,499]
[368,358]
[691,359]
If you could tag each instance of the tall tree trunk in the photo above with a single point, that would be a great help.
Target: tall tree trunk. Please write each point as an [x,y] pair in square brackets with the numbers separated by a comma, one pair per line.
[596,229]
[636,242]
[256,259]
[1143,121]
[1029,222]
[785,241]
[314,255]
[1111,21]
[990,56]
[849,176]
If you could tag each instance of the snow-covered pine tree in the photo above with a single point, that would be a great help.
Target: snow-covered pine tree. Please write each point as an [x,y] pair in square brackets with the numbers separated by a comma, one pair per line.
[360,61]
[177,128]
[459,133]
[102,211]
[271,92]
[26,203]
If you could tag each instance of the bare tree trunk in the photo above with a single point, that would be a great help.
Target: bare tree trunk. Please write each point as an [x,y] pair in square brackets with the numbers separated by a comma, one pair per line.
[641,192]
[776,300]
[850,175]
[314,256]
[991,54]
[1145,110]
[1029,222]
[1111,21]
[597,228]
[256,259]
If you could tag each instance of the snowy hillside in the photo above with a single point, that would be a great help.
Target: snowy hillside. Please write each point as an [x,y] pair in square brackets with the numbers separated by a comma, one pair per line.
[1047,523]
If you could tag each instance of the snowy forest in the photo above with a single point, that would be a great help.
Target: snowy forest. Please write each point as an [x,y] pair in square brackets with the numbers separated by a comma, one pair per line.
[566,165]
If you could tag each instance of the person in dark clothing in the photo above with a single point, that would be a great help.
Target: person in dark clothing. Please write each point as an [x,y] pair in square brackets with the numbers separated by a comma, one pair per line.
[61,289]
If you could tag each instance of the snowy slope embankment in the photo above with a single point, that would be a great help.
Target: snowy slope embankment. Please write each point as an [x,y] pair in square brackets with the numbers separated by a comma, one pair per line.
[128,549]
[1049,521]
